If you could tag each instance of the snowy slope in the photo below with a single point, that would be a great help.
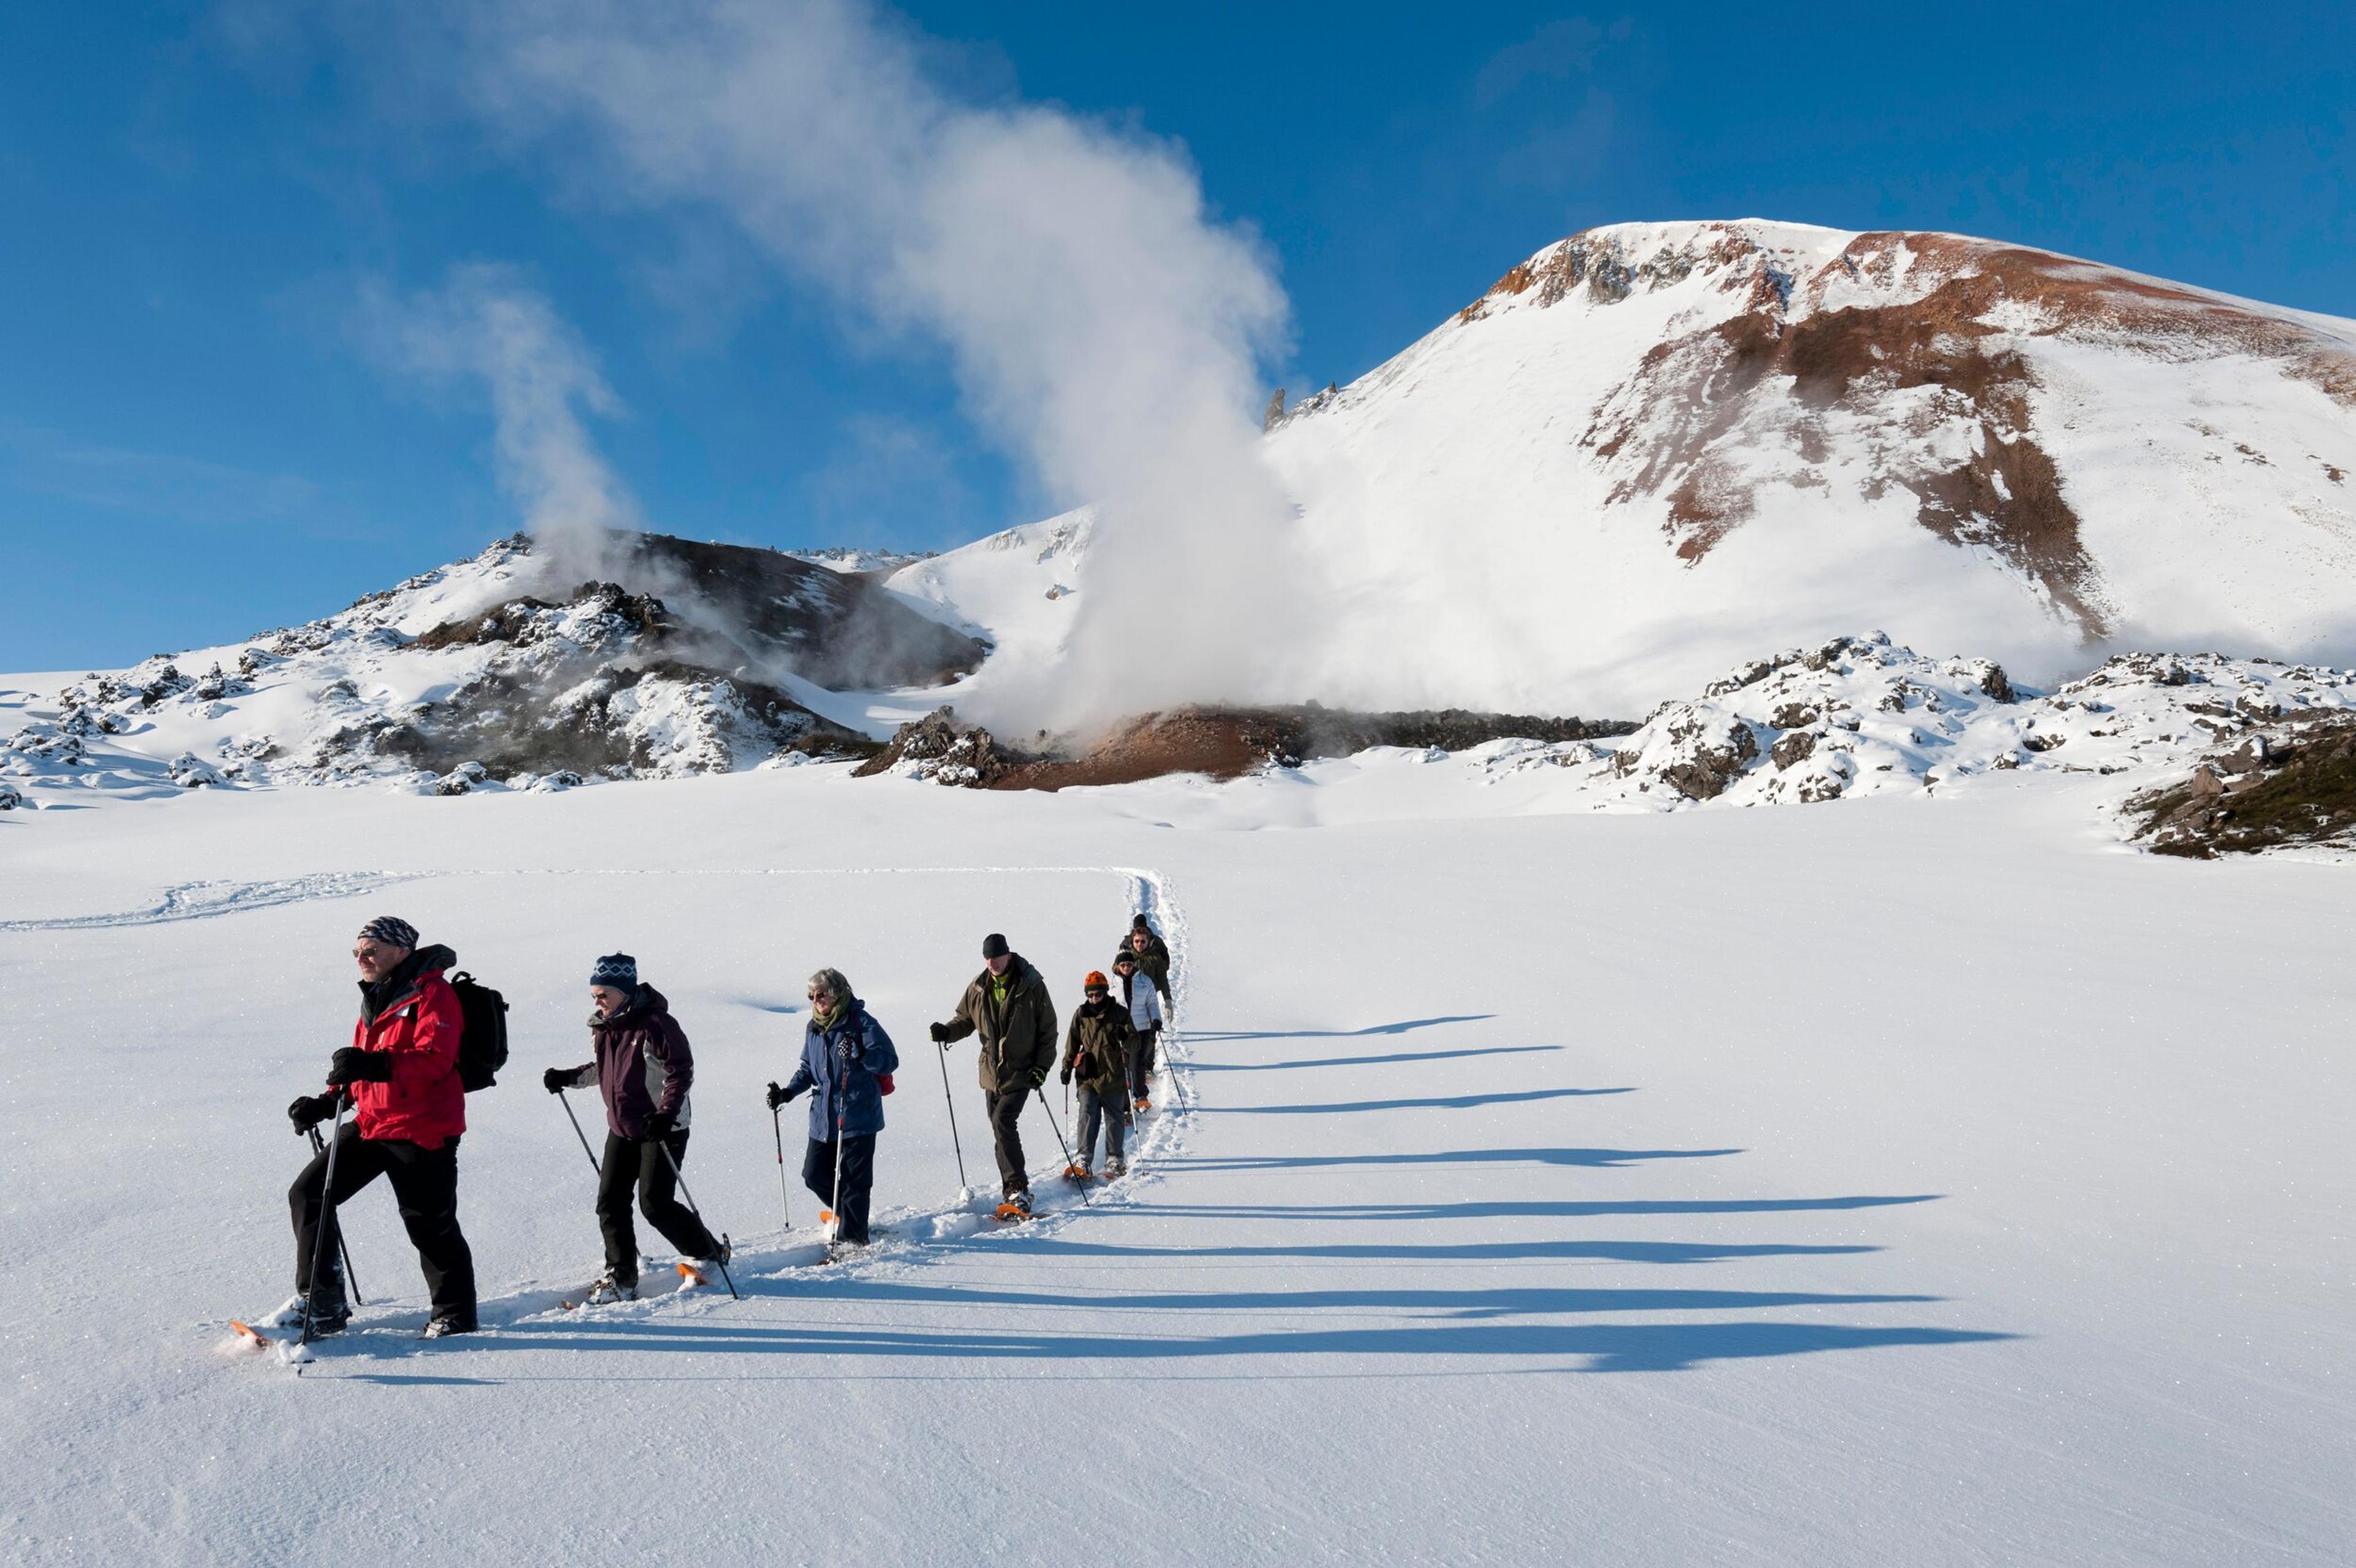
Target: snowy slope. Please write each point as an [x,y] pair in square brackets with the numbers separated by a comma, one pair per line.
[1917,1181]
[1017,589]
[1652,451]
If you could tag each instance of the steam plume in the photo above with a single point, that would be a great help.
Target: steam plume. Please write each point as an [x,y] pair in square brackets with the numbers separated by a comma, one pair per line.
[1103,324]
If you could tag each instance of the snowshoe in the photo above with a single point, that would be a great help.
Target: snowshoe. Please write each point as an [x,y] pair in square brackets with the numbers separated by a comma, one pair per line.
[1077,1174]
[1115,1168]
[1016,1208]
[691,1276]
[446,1324]
[1141,1104]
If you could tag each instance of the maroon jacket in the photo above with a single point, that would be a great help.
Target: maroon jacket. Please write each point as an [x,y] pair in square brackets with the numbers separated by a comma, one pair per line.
[643,1064]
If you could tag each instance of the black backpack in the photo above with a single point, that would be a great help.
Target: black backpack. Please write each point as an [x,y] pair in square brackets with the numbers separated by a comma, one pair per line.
[482,1043]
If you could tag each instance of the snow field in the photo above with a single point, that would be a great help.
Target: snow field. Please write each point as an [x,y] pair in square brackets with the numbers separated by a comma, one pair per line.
[1925,1179]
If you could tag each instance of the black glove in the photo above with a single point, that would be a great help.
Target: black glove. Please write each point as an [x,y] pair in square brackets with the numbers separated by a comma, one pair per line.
[556,1080]
[1066,1075]
[311,1109]
[353,1065]
[661,1124]
[1038,1077]
[779,1097]
[940,1034]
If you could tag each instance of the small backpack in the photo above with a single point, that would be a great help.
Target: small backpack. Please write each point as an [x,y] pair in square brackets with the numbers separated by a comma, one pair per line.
[482,1043]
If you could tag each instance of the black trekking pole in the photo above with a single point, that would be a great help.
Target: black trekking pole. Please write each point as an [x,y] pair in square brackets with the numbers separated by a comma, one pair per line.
[579,1133]
[327,1212]
[343,1243]
[951,1100]
[691,1209]
[1059,1139]
[778,1128]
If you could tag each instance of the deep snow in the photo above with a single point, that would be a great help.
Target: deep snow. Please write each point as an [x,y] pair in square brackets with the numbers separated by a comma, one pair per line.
[1922,1179]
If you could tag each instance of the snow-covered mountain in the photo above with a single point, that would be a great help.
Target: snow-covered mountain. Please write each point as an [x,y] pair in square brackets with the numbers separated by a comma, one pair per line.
[680,657]
[1654,450]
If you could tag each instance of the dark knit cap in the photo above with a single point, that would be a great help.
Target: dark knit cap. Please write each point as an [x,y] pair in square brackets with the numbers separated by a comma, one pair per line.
[1140,923]
[388,930]
[1124,956]
[615,972]
[994,947]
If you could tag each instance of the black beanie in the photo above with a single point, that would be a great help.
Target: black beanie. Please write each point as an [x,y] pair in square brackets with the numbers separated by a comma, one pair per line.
[994,947]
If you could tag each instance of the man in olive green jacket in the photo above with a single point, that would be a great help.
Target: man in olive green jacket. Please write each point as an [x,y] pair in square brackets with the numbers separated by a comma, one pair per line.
[1008,1006]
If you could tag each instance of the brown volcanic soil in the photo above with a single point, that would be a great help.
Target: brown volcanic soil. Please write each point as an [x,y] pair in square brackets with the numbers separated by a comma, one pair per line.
[1781,371]
[1223,742]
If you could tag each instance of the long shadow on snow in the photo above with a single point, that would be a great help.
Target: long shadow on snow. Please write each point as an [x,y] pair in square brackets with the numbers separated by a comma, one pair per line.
[1364,1060]
[1598,1158]
[1518,1209]
[1433,1103]
[1337,1033]
[1461,1251]
[1612,1348]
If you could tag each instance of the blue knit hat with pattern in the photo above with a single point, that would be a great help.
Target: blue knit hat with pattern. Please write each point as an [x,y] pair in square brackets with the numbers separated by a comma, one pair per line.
[615,972]
[389,930]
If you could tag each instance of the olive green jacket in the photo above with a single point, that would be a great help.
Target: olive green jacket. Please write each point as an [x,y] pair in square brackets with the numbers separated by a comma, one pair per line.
[1018,1036]
[1102,1029]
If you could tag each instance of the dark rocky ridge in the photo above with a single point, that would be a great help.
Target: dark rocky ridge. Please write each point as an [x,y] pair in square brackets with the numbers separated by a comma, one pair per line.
[731,608]
[2286,784]
[1221,741]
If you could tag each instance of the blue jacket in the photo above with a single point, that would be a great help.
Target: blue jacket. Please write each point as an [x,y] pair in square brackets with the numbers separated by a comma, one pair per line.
[824,1070]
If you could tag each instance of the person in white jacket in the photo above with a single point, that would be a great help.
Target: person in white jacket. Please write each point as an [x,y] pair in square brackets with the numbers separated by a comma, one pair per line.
[1146,1017]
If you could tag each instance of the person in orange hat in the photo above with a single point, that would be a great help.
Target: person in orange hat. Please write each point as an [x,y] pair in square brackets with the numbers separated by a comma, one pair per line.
[1096,1054]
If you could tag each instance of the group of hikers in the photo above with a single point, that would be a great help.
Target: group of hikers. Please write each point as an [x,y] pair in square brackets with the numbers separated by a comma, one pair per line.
[401,1078]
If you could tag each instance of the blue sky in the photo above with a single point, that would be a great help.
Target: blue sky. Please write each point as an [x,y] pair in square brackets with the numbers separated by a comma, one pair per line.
[192,447]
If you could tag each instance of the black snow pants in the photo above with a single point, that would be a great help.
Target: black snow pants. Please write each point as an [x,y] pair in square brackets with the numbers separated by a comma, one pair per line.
[1006,1130]
[858,1181]
[424,1185]
[638,1163]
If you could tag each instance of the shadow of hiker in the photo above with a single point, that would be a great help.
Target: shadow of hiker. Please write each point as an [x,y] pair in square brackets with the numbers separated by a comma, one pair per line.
[1607,1347]
[1427,1102]
[1594,1158]
[1339,1033]
[1366,1060]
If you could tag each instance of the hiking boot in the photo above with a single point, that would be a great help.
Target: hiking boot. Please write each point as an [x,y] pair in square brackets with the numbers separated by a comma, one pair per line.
[328,1317]
[446,1324]
[607,1288]
[1115,1167]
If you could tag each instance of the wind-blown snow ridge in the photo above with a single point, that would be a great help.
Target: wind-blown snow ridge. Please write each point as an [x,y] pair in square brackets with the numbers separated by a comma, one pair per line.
[211,900]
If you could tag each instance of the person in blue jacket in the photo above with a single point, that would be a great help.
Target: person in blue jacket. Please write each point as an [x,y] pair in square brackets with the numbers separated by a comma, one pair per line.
[849,1060]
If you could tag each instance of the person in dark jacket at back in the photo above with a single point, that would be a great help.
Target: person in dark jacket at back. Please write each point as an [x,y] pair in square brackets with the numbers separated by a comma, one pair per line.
[401,1073]
[1096,1052]
[1153,954]
[642,1069]
[846,1057]
[1007,1004]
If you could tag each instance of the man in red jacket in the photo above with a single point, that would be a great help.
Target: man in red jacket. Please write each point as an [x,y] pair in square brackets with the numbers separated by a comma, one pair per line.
[401,1073]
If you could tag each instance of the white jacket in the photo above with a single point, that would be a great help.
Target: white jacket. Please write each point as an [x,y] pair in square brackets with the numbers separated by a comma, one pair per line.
[1144,1005]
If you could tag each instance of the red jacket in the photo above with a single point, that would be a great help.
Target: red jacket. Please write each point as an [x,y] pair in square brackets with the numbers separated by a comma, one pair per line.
[424,1103]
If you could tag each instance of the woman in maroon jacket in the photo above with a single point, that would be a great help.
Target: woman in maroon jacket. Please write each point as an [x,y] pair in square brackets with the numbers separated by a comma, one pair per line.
[642,1070]
[401,1073]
